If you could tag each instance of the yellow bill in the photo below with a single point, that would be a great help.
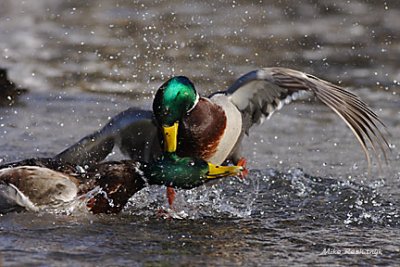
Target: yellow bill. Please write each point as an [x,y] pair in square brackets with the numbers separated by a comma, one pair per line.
[217,171]
[170,137]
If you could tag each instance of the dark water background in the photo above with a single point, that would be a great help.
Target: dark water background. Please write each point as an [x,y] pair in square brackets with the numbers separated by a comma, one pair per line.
[309,189]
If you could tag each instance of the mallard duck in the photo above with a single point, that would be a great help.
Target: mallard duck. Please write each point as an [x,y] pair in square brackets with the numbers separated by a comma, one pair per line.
[212,127]
[106,187]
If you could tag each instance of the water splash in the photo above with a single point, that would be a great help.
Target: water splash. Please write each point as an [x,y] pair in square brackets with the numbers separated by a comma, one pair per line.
[74,207]
[232,199]
[266,194]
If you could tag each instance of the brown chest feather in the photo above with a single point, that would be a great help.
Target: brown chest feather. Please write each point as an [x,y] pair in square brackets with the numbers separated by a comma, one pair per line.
[202,130]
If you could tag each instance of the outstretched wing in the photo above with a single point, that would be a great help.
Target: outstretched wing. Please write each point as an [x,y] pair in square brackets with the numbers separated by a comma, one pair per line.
[259,93]
[132,130]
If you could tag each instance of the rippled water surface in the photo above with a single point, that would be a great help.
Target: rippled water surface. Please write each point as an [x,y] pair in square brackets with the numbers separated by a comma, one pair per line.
[309,189]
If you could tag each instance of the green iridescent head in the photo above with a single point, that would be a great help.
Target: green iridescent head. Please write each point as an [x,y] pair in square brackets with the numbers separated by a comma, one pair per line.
[173,100]
[184,172]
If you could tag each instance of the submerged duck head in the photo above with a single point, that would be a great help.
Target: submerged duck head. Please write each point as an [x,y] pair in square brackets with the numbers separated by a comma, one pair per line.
[175,98]
[186,172]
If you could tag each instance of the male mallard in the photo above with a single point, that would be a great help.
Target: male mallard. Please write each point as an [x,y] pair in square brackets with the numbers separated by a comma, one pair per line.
[212,128]
[106,187]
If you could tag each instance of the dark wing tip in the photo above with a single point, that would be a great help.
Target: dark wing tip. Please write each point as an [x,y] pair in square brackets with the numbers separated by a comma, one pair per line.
[360,118]
[267,89]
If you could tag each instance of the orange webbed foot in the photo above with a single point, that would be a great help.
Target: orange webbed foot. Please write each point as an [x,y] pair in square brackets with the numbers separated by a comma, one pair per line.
[242,162]
[165,213]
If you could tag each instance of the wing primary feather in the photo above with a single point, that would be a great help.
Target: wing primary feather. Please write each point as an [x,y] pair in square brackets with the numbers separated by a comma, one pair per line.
[359,126]
[267,90]
[362,115]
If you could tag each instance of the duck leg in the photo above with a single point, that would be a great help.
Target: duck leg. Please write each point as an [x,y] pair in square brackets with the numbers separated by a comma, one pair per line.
[170,213]
[171,196]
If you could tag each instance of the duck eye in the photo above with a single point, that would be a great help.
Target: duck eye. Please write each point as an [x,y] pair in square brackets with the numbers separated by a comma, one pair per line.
[191,163]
